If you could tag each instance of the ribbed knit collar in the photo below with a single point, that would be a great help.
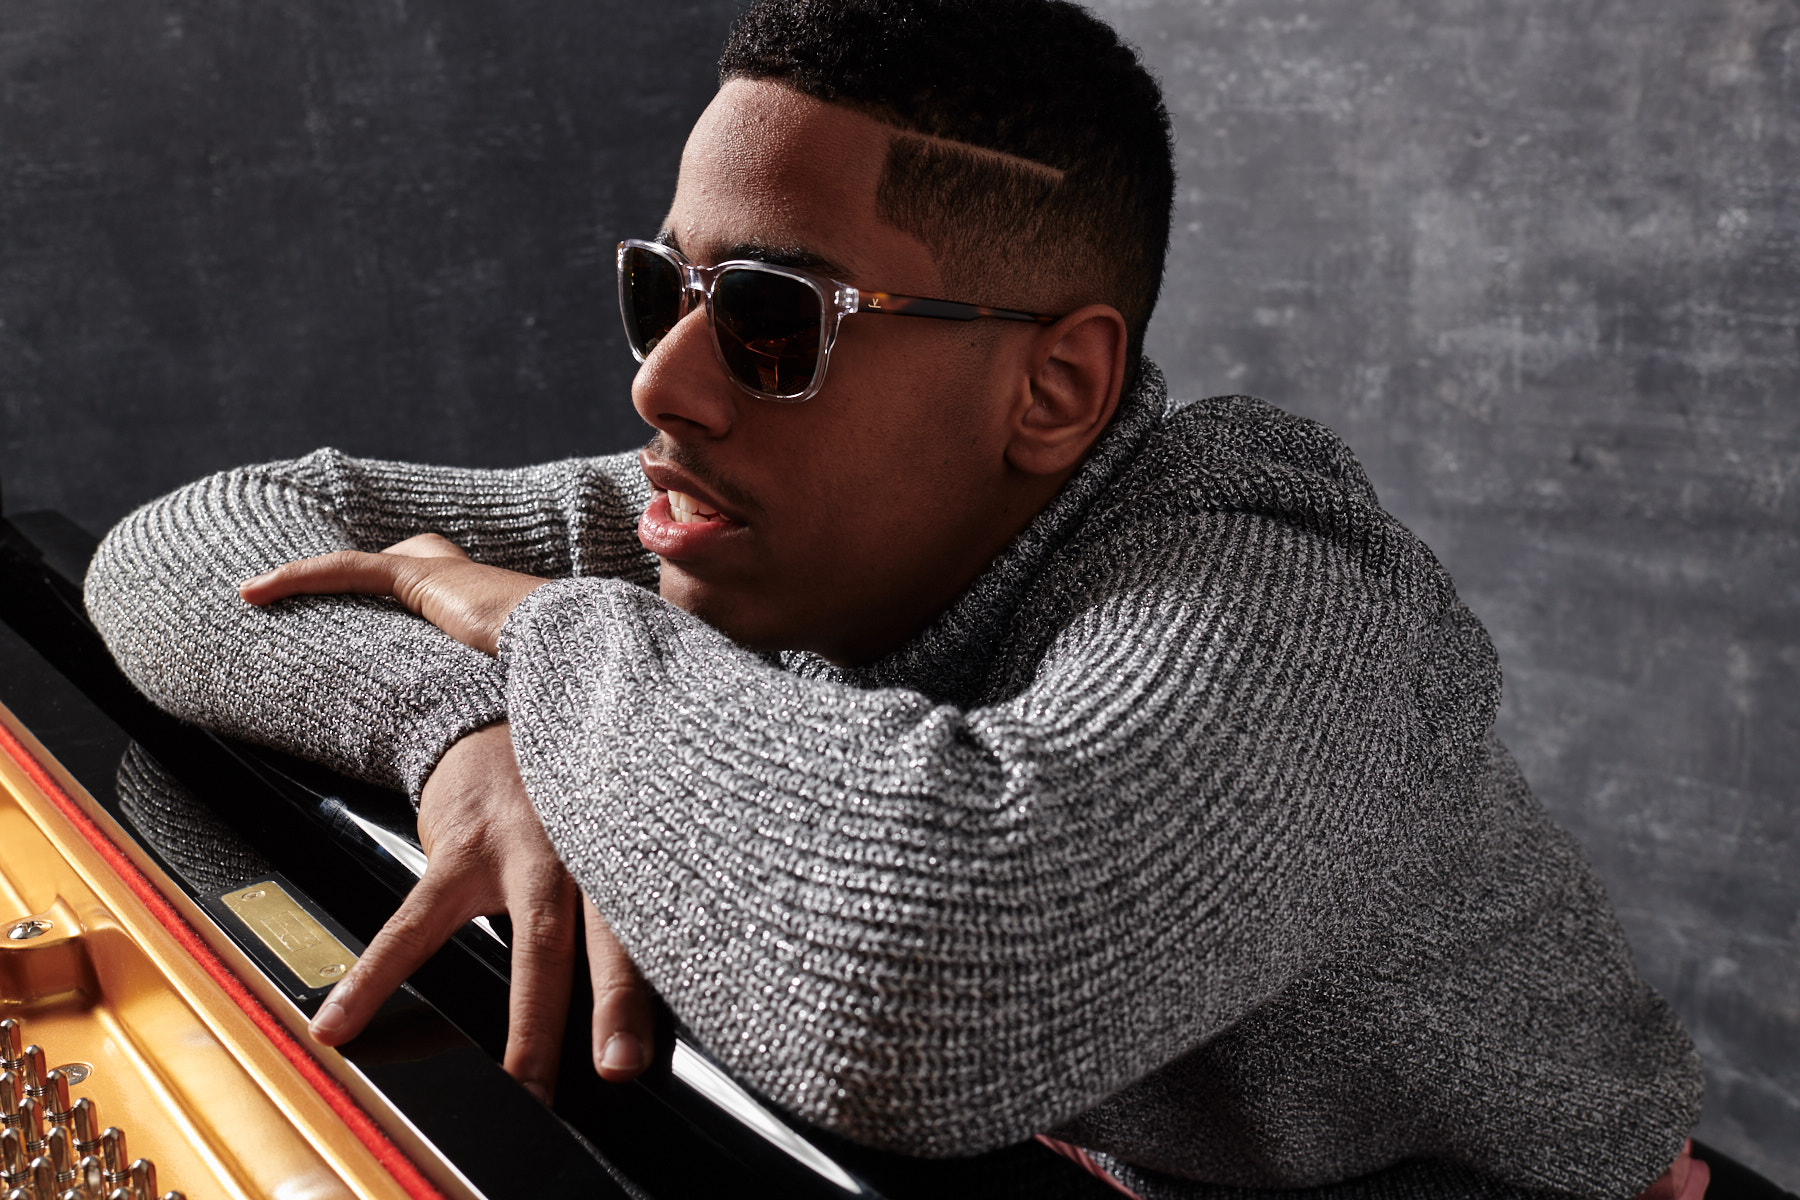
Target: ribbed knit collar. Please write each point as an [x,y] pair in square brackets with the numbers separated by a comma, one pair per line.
[949,658]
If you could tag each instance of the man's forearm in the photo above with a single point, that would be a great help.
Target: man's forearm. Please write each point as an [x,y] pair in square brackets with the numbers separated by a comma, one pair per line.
[351,681]
[921,923]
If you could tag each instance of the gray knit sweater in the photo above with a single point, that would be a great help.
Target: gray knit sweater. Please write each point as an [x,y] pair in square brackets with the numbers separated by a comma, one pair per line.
[1183,833]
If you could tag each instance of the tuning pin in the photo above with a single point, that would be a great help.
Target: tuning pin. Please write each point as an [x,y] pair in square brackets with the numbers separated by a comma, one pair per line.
[56,1097]
[84,1123]
[73,1194]
[12,1044]
[121,1193]
[20,1194]
[12,1090]
[35,1071]
[173,1195]
[31,1124]
[43,1177]
[112,1153]
[12,1155]
[90,1176]
[143,1178]
[59,1149]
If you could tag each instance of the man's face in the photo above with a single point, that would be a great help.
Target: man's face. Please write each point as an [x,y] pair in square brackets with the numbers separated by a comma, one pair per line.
[847,521]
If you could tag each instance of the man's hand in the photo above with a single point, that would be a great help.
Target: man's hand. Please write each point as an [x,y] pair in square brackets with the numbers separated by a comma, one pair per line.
[429,574]
[487,854]
[486,850]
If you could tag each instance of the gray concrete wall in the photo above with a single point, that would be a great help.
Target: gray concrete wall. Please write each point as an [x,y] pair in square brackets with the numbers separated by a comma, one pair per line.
[1539,261]
[1535,259]
[233,230]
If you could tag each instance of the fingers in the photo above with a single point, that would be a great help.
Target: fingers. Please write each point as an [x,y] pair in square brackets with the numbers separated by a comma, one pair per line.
[352,571]
[476,819]
[345,571]
[490,854]
[624,1018]
[466,600]
[544,923]
[431,913]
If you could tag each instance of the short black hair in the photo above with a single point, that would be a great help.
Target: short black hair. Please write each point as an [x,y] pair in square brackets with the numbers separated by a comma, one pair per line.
[1040,80]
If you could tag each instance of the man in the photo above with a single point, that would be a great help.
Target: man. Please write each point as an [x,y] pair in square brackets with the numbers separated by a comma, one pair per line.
[968,742]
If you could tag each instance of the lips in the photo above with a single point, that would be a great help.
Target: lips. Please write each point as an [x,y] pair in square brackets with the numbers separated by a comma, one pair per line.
[683,521]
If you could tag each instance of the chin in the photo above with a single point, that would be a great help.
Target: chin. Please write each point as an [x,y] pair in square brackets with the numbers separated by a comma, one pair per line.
[758,622]
[728,610]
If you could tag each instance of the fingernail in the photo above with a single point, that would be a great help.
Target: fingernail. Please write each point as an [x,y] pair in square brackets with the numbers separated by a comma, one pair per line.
[623,1053]
[329,1020]
[539,1090]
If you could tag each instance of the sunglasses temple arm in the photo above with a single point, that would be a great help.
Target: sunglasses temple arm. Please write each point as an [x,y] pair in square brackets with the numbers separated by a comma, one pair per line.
[944,310]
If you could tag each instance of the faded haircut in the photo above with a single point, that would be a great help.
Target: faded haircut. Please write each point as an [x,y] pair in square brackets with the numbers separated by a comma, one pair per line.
[1035,160]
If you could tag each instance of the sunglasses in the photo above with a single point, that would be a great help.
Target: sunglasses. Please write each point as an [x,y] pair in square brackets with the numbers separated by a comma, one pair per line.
[773,327]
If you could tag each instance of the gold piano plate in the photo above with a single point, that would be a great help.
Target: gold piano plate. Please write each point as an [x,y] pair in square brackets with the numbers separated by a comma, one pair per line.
[99,982]
[292,934]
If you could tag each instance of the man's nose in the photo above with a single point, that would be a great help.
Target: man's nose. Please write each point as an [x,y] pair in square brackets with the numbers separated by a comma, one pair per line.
[681,388]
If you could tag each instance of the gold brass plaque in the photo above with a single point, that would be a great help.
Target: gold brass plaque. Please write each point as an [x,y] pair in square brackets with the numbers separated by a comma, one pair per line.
[296,937]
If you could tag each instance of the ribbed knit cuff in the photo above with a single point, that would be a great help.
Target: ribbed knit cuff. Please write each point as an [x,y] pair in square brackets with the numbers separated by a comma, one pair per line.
[526,611]
[438,714]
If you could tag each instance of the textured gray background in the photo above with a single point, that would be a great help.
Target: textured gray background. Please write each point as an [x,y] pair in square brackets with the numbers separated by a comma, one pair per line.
[1539,261]
[1535,259]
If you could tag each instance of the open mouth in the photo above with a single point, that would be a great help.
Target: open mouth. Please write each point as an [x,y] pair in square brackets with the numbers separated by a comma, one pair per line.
[687,510]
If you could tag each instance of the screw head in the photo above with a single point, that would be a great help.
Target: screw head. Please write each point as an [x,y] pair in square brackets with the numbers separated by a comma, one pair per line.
[24,931]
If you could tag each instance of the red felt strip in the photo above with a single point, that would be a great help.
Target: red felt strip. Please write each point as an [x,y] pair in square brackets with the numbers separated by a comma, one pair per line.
[1085,1161]
[390,1156]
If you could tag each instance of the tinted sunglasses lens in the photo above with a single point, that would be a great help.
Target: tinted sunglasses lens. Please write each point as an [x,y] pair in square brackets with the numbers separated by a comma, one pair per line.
[650,299]
[768,327]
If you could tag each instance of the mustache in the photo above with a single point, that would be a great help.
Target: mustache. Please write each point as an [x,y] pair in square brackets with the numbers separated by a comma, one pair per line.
[690,460]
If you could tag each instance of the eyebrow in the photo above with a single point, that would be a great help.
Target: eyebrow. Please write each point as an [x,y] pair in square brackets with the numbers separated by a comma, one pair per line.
[778,256]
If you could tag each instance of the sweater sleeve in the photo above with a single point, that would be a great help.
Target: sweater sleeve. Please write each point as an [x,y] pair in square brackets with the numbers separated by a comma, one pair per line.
[354,682]
[941,929]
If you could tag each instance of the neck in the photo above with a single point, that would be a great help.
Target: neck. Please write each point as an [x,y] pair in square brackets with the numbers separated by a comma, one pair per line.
[897,617]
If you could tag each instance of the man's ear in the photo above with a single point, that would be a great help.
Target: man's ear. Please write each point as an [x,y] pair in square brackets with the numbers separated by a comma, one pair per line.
[1077,368]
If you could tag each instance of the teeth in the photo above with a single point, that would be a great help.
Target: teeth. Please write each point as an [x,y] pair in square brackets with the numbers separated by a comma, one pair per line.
[688,511]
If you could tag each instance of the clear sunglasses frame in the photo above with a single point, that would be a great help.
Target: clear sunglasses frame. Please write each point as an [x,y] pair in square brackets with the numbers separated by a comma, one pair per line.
[837,300]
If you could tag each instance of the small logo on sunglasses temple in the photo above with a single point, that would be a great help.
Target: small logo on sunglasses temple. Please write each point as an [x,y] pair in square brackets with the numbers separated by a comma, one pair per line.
[874,301]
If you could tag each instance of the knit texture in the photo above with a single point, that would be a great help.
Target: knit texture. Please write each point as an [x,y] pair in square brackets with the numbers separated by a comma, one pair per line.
[1183,834]
[189,836]
[354,682]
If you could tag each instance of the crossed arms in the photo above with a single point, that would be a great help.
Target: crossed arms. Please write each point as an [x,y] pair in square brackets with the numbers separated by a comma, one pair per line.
[935,923]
